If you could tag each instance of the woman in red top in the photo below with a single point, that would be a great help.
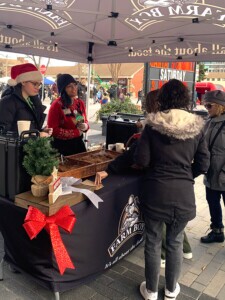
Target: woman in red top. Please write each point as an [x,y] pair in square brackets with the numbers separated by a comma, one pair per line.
[67,117]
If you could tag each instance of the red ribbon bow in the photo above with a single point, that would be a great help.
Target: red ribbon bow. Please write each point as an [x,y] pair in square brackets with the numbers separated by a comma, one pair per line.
[35,221]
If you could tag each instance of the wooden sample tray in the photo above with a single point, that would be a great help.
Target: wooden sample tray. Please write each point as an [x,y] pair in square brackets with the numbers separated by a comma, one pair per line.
[100,158]
[76,168]
[27,199]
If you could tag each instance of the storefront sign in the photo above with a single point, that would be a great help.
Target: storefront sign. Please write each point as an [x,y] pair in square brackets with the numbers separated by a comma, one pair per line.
[122,81]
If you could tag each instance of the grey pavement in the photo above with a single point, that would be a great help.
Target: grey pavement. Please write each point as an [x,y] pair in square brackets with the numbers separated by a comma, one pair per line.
[202,278]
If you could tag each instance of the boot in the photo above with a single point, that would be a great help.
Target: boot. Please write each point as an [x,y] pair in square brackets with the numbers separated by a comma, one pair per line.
[215,236]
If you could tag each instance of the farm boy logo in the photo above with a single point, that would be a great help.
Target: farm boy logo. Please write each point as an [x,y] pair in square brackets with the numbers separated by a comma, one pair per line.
[131,223]
[48,16]
[150,12]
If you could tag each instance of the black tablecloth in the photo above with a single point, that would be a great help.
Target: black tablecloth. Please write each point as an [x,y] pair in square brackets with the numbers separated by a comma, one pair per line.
[96,243]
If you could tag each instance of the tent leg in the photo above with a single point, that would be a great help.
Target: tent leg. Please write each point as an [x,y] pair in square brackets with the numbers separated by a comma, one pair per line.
[88,99]
[1,269]
[57,296]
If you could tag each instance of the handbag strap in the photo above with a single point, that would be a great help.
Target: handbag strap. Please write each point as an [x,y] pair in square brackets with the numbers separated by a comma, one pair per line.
[216,135]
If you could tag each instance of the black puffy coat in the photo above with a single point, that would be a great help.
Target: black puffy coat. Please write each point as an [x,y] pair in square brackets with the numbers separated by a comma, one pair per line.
[13,107]
[173,149]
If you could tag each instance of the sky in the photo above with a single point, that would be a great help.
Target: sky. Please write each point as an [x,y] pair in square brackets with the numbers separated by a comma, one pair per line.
[53,62]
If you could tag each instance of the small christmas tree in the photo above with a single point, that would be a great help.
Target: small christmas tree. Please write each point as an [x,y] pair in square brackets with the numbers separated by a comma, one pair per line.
[40,157]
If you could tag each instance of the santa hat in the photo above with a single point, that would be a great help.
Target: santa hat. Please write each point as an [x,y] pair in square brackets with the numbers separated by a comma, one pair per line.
[24,72]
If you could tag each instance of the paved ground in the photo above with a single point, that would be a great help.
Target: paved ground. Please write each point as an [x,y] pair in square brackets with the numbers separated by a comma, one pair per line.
[202,278]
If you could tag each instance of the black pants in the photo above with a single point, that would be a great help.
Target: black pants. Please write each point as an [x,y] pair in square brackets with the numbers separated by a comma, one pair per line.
[213,197]
[69,147]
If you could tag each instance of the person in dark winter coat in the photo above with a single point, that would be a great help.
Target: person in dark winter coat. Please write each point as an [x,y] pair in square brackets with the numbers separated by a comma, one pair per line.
[82,92]
[7,90]
[215,177]
[173,150]
[112,92]
[67,117]
[125,161]
[20,101]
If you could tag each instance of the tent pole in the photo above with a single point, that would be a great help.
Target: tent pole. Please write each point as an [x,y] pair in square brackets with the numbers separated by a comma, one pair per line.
[88,98]
[89,59]
[43,88]
[193,102]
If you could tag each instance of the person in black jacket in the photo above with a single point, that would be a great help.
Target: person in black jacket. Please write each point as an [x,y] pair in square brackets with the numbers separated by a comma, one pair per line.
[215,177]
[173,150]
[21,101]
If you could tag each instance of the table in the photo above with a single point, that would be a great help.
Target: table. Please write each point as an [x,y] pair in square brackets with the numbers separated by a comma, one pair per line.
[100,238]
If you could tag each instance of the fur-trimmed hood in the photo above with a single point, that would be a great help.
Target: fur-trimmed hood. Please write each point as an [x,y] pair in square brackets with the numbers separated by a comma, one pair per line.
[176,123]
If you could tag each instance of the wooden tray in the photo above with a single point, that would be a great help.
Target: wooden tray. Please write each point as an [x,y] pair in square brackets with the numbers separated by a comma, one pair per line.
[100,158]
[76,168]
[26,199]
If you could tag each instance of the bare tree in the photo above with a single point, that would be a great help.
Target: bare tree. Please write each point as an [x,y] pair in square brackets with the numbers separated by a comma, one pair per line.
[2,71]
[79,71]
[115,71]
[37,60]
[82,71]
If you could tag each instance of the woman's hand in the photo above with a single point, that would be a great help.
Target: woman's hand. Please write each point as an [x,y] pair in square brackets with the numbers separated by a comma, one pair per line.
[139,124]
[99,176]
[44,134]
[47,130]
[82,126]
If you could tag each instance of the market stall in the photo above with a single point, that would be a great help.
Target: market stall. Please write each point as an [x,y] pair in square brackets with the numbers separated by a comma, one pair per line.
[99,239]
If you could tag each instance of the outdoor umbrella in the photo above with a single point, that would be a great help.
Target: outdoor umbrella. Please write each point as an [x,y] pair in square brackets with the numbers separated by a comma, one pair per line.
[110,31]
[48,81]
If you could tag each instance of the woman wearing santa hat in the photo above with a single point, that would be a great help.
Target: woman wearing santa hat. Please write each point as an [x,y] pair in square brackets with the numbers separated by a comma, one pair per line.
[23,103]
[67,117]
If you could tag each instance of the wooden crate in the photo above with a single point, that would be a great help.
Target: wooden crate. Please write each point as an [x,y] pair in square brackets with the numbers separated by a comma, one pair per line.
[100,158]
[76,168]
[27,199]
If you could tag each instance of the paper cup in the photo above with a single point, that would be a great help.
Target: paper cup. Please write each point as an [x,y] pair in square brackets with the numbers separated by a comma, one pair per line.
[119,147]
[23,126]
[111,146]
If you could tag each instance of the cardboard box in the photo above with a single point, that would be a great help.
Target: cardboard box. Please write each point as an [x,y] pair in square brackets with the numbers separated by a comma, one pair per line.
[26,199]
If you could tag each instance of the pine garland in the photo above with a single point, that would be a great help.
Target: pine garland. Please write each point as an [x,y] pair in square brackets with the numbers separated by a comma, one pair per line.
[40,157]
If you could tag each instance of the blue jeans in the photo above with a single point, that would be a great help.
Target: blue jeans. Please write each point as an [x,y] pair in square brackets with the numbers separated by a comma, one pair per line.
[213,197]
[174,253]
